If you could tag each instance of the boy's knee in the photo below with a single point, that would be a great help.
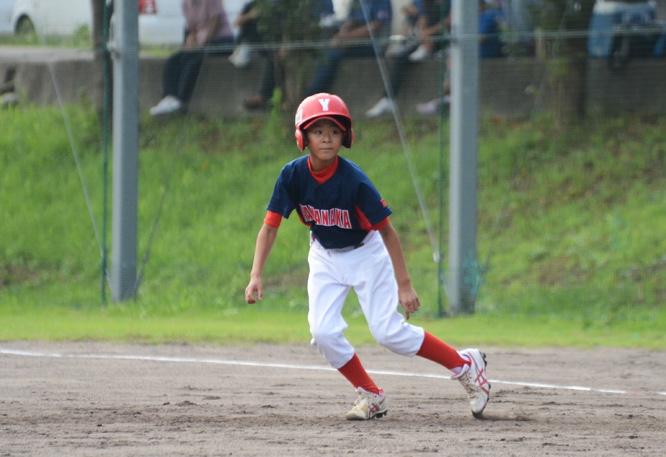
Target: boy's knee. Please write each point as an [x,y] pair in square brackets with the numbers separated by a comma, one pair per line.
[382,337]
[333,346]
[400,340]
[323,336]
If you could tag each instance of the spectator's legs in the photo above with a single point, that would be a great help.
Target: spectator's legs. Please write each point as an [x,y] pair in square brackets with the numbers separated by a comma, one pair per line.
[398,69]
[171,82]
[268,81]
[273,76]
[220,47]
[191,65]
[184,71]
[386,104]
[171,74]
[248,38]
[325,73]
[249,32]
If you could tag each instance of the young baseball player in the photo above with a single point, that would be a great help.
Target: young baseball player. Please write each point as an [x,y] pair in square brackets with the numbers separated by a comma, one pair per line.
[352,244]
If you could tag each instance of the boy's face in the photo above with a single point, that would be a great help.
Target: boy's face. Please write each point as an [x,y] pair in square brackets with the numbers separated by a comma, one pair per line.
[324,140]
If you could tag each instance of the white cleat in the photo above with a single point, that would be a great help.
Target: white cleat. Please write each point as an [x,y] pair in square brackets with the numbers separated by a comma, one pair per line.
[474,380]
[368,406]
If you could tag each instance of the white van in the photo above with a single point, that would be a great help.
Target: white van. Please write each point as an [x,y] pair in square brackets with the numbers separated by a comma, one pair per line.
[161,22]
[6,9]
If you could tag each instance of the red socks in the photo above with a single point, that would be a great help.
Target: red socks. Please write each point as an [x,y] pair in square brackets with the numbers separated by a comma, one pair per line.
[356,374]
[432,349]
[439,352]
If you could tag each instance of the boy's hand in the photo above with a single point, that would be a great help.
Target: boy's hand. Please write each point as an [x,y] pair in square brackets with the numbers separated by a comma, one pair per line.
[409,300]
[256,285]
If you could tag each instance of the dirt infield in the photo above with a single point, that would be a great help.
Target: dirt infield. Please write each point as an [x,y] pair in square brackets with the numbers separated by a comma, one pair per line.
[94,399]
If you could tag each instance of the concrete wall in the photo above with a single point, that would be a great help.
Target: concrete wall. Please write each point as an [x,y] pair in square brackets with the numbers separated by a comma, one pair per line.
[508,87]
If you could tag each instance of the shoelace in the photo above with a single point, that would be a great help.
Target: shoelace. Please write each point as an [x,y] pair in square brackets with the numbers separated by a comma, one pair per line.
[367,398]
[468,380]
[362,398]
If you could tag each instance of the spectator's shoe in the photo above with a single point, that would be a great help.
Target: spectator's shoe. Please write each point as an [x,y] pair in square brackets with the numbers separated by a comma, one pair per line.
[329,21]
[9,99]
[384,106]
[368,406]
[432,107]
[420,54]
[397,45]
[474,380]
[254,103]
[242,56]
[168,104]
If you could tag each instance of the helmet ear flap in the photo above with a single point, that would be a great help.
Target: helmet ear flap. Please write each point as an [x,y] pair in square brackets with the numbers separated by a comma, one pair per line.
[299,139]
[349,140]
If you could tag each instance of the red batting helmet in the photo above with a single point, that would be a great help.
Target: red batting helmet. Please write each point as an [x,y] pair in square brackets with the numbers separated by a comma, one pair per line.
[326,106]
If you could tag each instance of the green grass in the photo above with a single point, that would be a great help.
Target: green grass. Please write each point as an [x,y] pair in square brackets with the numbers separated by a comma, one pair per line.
[570,240]
[81,39]
[249,325]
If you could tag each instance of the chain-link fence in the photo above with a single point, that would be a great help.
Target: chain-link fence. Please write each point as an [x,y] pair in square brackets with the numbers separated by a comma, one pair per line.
[571,161]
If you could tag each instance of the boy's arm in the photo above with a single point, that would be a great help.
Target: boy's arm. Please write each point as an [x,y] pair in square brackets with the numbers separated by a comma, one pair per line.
[406,294]
[265,241]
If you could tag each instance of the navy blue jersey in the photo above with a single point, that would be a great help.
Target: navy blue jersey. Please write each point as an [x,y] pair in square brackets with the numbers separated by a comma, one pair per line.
[339,211]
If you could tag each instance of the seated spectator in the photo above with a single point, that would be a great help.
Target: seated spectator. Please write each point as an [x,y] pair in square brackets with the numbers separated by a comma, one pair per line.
[322,16]
[247,23]
[433,18]
[352,40]
[207,33]
[491,21]
[520,23]
[410,31]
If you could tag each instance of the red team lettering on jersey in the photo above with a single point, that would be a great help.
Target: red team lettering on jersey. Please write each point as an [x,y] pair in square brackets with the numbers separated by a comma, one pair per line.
[327,217]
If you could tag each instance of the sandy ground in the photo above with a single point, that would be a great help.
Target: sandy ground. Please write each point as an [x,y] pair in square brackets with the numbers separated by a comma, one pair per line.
[94,399]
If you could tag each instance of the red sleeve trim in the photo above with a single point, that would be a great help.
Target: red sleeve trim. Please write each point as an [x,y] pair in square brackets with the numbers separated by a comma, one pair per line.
[273,219]
[365,223]
[381,224]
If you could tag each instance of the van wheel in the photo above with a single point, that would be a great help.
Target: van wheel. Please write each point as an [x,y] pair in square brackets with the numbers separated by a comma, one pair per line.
[25,30]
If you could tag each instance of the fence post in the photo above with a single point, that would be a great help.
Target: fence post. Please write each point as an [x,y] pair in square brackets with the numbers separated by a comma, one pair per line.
[125,150]
[463,155]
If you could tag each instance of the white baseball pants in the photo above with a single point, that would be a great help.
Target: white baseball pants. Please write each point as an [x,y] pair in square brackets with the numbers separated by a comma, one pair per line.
[368,269]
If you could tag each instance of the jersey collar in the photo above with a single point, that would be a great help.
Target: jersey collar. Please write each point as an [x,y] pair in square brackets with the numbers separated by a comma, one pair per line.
[324,175]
